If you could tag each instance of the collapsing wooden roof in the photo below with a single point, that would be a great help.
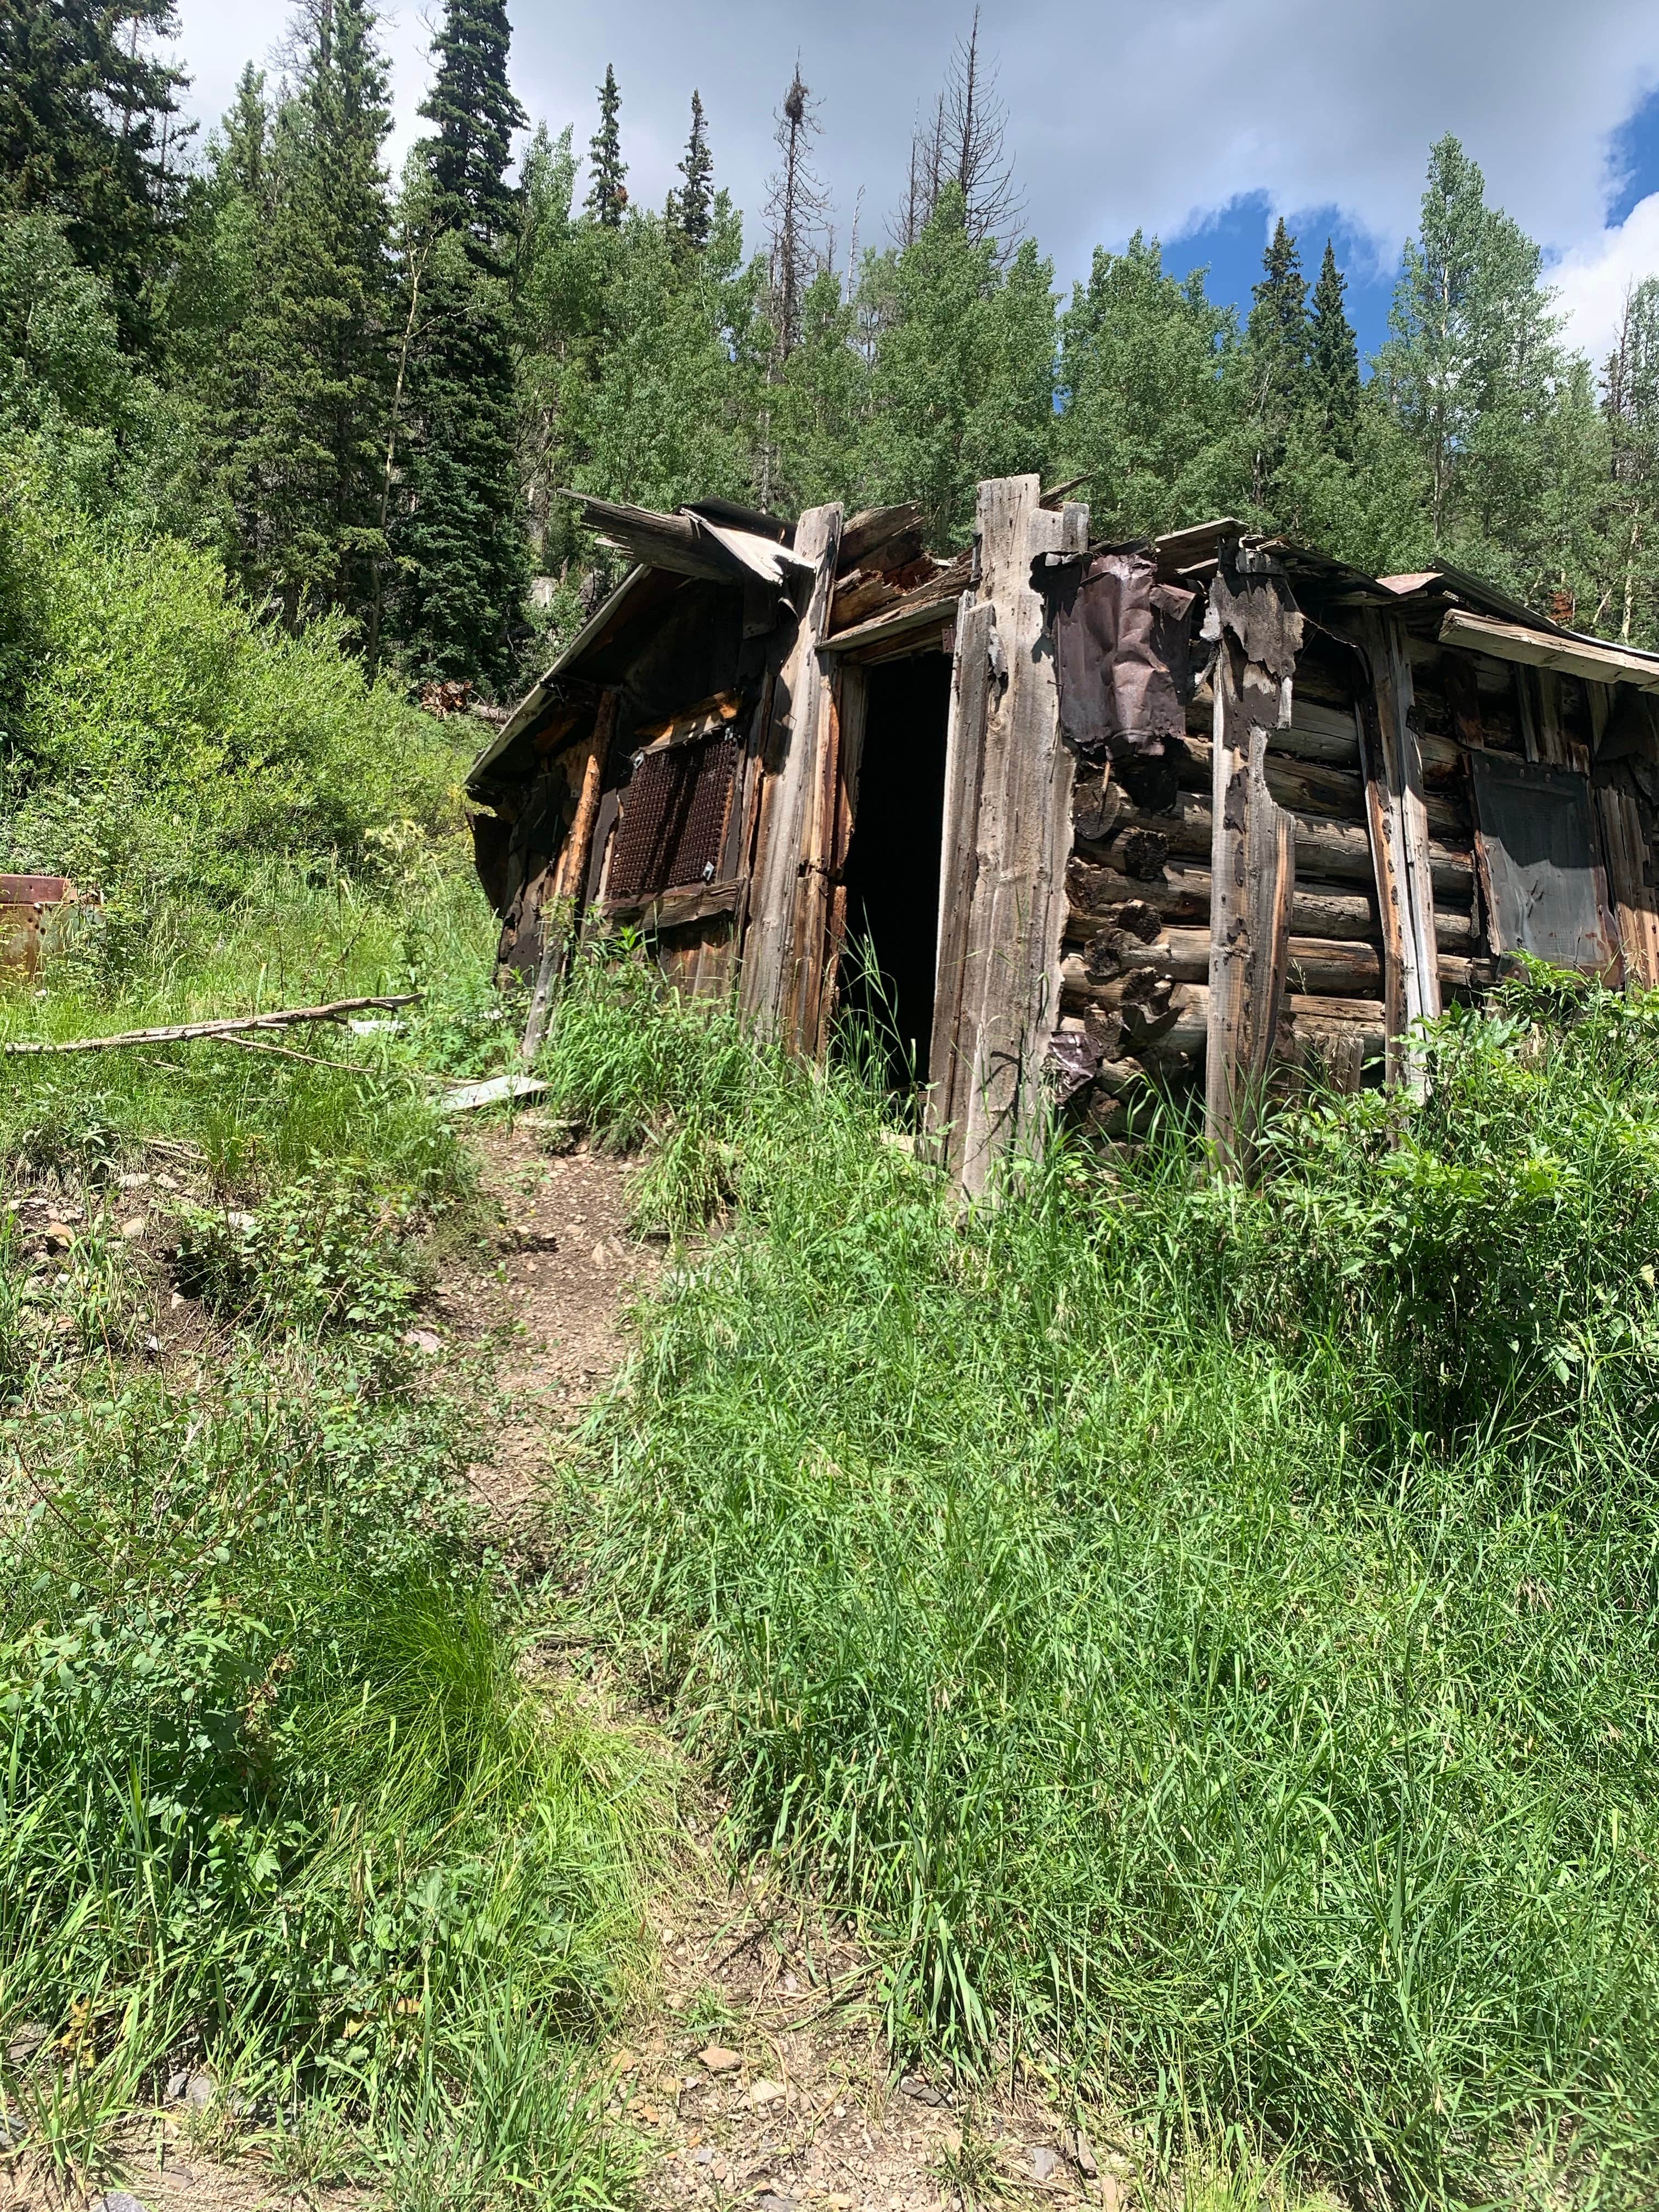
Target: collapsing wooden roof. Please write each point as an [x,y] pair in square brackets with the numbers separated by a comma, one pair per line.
[1204,810]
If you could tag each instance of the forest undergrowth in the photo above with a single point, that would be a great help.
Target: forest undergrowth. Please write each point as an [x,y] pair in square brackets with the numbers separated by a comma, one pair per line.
[1207,1634]
[280,1818]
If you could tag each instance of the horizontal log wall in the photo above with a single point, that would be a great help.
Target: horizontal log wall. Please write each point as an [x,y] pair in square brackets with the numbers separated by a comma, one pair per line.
[1138,921]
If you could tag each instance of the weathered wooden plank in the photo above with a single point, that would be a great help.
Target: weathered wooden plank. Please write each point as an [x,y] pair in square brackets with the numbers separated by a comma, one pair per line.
[1252,857]
[560,911]
[1636,901]
[1400,841]
[964,762]
[791,754]
[871,531]
[1010,956]
[808,1014]
[1572,656]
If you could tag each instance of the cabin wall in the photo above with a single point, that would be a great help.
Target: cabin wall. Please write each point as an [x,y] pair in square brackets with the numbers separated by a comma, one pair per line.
[1136,972]
[1136,978]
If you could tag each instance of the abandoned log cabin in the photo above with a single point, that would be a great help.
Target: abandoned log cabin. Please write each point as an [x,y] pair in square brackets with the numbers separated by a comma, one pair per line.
[1113,819]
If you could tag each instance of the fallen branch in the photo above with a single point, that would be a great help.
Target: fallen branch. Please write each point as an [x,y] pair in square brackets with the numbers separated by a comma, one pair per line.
[182,1032]
[311,1059]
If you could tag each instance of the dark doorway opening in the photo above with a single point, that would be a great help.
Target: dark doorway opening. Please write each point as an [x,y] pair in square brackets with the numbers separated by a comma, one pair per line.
[893,864]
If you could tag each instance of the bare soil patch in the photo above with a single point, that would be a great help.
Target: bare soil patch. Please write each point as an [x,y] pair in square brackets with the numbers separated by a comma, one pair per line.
[550,1298]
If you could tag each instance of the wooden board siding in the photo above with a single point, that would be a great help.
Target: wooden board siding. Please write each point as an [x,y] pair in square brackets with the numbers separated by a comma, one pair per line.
[964,770]
[1398,821]
[1630,869]
[775,946]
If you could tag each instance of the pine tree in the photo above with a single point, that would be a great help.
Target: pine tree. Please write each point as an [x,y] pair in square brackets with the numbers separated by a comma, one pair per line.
[305,396]
[607,195]
[246,136]
[1334,360]
[691,208]
[89,131]
[1276,345]
[1631,402]
[459,548]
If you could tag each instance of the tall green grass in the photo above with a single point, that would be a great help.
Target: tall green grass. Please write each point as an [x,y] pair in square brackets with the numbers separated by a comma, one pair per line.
[277,1804]
[425,929]
[1211,1635]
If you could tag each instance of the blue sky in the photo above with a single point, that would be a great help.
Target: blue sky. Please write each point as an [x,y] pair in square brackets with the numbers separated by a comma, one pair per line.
[1200,121]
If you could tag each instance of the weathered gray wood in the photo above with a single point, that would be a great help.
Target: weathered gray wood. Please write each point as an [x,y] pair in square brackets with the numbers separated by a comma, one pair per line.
[1398,819]
[1010,959]
[871,531]
[772,949]
[1339,850]
[1252,855]
[559,912]
[965,762]
[1635,900]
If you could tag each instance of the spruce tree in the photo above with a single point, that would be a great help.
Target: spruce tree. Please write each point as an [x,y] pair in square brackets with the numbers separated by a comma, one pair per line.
[246,136]
[607,195]
[1334,360]
[1276,342]
[88,131]
[691,208]
[459,548]
[305,401]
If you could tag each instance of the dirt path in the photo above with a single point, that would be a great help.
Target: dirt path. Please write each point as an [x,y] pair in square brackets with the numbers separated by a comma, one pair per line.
[565,1268]
[757,2074]
[754,2075]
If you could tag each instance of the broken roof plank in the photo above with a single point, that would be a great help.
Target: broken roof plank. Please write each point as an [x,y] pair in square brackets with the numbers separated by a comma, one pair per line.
[688,543]
[1539,648]
[872,528]
[933,602]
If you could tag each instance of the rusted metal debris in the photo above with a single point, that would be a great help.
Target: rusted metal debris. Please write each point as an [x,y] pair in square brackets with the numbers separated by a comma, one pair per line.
[31,909]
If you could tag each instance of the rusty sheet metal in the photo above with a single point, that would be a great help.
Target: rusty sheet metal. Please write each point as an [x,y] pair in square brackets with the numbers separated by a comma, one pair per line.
[1121,652]
[1265,622]
[1540,863]
[674,818]
[27,904]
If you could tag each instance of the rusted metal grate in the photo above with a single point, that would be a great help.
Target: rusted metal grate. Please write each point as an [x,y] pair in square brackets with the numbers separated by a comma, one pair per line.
[673,818]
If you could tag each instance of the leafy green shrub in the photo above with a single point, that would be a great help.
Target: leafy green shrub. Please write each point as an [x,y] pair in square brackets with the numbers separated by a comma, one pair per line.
[321,1252]
[1488,1253]
[166,740]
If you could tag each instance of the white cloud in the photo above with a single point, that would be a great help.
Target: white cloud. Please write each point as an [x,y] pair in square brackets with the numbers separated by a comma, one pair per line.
[1593,278]
[1121,115]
